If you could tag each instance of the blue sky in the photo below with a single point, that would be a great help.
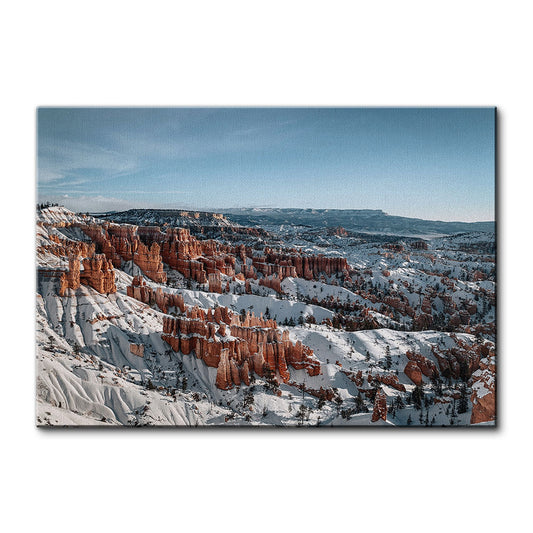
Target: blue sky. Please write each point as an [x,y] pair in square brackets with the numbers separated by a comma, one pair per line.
[427,163]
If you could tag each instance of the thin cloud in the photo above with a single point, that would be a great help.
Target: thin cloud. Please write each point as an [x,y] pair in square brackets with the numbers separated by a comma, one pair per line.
[62,161]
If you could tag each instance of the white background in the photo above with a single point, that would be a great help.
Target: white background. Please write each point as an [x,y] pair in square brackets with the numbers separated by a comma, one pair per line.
[272,53]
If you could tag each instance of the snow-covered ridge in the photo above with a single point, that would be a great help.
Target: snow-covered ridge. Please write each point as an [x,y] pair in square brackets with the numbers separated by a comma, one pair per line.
[171,217]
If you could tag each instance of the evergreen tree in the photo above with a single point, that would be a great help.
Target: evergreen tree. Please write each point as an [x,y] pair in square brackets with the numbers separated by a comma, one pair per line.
[418,397]
[462,406]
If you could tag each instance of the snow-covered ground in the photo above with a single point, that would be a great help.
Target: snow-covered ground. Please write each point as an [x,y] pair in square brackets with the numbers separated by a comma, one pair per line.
[87,373]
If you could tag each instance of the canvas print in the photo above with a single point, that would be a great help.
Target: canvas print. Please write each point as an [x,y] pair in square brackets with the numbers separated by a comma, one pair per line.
[304,267]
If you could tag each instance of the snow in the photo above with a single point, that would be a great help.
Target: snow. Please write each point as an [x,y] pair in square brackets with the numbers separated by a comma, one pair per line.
[87,374]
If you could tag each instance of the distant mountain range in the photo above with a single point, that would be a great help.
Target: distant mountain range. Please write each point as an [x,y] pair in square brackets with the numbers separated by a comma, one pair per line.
[172,217]
[371,221]
[356,220]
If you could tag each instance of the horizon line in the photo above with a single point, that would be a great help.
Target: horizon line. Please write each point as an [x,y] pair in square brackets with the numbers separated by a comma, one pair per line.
[226,209]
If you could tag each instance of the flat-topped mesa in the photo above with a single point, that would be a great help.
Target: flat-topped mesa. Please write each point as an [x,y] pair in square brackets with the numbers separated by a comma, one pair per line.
[237,345]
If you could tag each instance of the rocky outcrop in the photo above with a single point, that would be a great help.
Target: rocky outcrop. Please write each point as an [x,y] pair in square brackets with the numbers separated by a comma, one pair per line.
[149,261]
[137,349]
[215,283]
[339,231]
[426,366]
[484,391]
[298,265]
[477,275]
[462,360]
[423,321]
[148,247]
[67,248]
[380,406]
[386,379]
[147,295]
[419,245]
[99,274]
[413,372]
[272,283]
[237,345]
[71,278]
[122,243]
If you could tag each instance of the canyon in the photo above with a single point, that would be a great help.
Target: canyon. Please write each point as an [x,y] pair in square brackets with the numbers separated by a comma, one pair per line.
[225,324]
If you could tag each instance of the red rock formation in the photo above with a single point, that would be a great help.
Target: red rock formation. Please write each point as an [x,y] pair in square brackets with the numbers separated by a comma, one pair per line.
[413,372]
[147,295]
[477,275]
[326,394]
[308,266]
[427,367]
[471,308]
[71,278]
[67,248]
[98,273]
[423,321]
[380,406]
[484,391]
[224,379]
[387,379]
[137,349]
[461,360]
[254,342]
[273,283]
[121,242]
[149,261]
[338,231]
[215,283]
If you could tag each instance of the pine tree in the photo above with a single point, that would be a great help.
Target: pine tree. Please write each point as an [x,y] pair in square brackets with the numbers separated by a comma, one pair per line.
[462,406]
[418,397]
